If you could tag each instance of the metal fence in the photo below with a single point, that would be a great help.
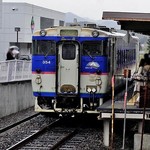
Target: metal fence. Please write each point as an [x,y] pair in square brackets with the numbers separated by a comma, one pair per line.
[15,70]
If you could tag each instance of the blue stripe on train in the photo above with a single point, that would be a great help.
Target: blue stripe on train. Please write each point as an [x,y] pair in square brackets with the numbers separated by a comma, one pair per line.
[48,64]
[58,38]
[100,61]
[45,64]
[82,95]
[46,94]
[87,95]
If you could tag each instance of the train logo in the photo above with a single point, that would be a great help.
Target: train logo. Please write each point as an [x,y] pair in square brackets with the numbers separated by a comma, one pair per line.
[92,64]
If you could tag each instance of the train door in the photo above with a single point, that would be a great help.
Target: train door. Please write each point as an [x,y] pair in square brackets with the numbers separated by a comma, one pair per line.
[68,68]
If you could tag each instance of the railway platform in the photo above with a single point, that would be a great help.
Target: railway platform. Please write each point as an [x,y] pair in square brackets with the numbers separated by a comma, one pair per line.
[15,70]
[15,86]
[131,109]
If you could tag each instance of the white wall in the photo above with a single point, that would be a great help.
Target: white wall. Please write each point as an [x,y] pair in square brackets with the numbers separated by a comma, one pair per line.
[0,26]
[0,14]
[19,15]
[15,97]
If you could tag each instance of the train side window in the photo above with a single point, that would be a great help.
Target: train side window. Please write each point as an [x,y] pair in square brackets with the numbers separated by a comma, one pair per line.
[105,48]
[118,58]
[134,54]
[122,58]
[68,51]
[109,48]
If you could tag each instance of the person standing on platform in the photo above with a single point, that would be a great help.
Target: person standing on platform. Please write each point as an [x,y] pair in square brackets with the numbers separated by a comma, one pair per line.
[12,53]
[9,55]
[142,75]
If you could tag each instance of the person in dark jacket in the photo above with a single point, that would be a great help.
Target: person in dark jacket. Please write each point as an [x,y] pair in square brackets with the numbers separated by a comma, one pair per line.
[12,53]
[9,55]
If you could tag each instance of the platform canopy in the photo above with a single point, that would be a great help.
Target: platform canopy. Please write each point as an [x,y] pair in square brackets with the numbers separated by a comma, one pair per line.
[136,22]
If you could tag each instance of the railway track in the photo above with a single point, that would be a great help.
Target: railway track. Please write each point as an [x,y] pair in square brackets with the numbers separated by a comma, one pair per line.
[18,123]
[47,138]
[53,138]
[14,133]
[64,140]
[63,134]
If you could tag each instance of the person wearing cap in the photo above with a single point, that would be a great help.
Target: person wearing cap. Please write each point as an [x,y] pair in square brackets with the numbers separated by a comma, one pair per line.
[12,53]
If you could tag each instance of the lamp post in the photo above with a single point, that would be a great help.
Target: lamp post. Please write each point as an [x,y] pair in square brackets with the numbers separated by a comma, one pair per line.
[17,29]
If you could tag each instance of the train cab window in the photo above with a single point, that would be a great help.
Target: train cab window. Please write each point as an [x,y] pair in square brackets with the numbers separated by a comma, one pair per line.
[92,48]
[44,47]
[95,48]
[68,51]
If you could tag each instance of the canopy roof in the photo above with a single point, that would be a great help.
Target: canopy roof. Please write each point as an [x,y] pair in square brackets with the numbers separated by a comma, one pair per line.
[137,22]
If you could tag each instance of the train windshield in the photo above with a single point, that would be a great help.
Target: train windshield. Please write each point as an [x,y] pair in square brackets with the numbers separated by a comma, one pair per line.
[97,48]
[44,47]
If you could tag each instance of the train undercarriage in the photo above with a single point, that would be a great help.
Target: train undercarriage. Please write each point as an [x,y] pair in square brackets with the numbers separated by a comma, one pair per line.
[69,104]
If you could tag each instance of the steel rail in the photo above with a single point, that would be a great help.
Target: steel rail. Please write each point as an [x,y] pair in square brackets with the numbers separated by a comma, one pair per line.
[19,122]
[32,136]
[63,140]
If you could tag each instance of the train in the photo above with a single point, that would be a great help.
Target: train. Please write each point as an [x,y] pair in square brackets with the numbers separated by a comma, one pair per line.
[73,66]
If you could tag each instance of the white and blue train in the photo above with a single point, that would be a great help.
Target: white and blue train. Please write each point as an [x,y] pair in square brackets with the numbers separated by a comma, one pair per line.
[72,67]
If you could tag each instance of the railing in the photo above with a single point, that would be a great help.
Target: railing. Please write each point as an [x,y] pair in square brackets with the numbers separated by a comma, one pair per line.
[15,70]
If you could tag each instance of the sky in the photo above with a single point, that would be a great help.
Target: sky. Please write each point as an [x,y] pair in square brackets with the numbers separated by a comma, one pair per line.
[92,9]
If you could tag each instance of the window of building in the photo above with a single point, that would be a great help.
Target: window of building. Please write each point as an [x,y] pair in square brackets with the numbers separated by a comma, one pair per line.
[46,22]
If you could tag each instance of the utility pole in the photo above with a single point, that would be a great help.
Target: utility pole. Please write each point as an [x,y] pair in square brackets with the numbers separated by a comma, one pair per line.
[17,29]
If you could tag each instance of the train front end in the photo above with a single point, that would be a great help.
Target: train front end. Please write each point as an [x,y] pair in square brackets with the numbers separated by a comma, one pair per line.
[70,69]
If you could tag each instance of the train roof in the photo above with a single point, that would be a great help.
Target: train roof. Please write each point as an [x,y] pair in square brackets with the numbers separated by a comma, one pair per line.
[117,34]
[81,31]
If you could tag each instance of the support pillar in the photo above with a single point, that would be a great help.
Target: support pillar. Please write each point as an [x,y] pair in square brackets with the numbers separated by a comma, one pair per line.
[106,128]
[100,101]
[140,126]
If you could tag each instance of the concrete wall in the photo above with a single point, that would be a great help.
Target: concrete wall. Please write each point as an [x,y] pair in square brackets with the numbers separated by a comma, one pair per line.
[0,13]
[146,142]
[15,97]
[0,24]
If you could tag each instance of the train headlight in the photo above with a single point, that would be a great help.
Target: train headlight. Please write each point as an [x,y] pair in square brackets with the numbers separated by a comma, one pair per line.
[38,79]
[43,32]
[95,33]
[91,88]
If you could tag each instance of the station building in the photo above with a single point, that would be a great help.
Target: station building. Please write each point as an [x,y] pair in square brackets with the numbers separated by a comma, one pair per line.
[18,21]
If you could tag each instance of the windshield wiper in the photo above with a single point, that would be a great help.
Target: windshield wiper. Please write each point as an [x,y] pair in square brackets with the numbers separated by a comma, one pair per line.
[48,52]
[88,54]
